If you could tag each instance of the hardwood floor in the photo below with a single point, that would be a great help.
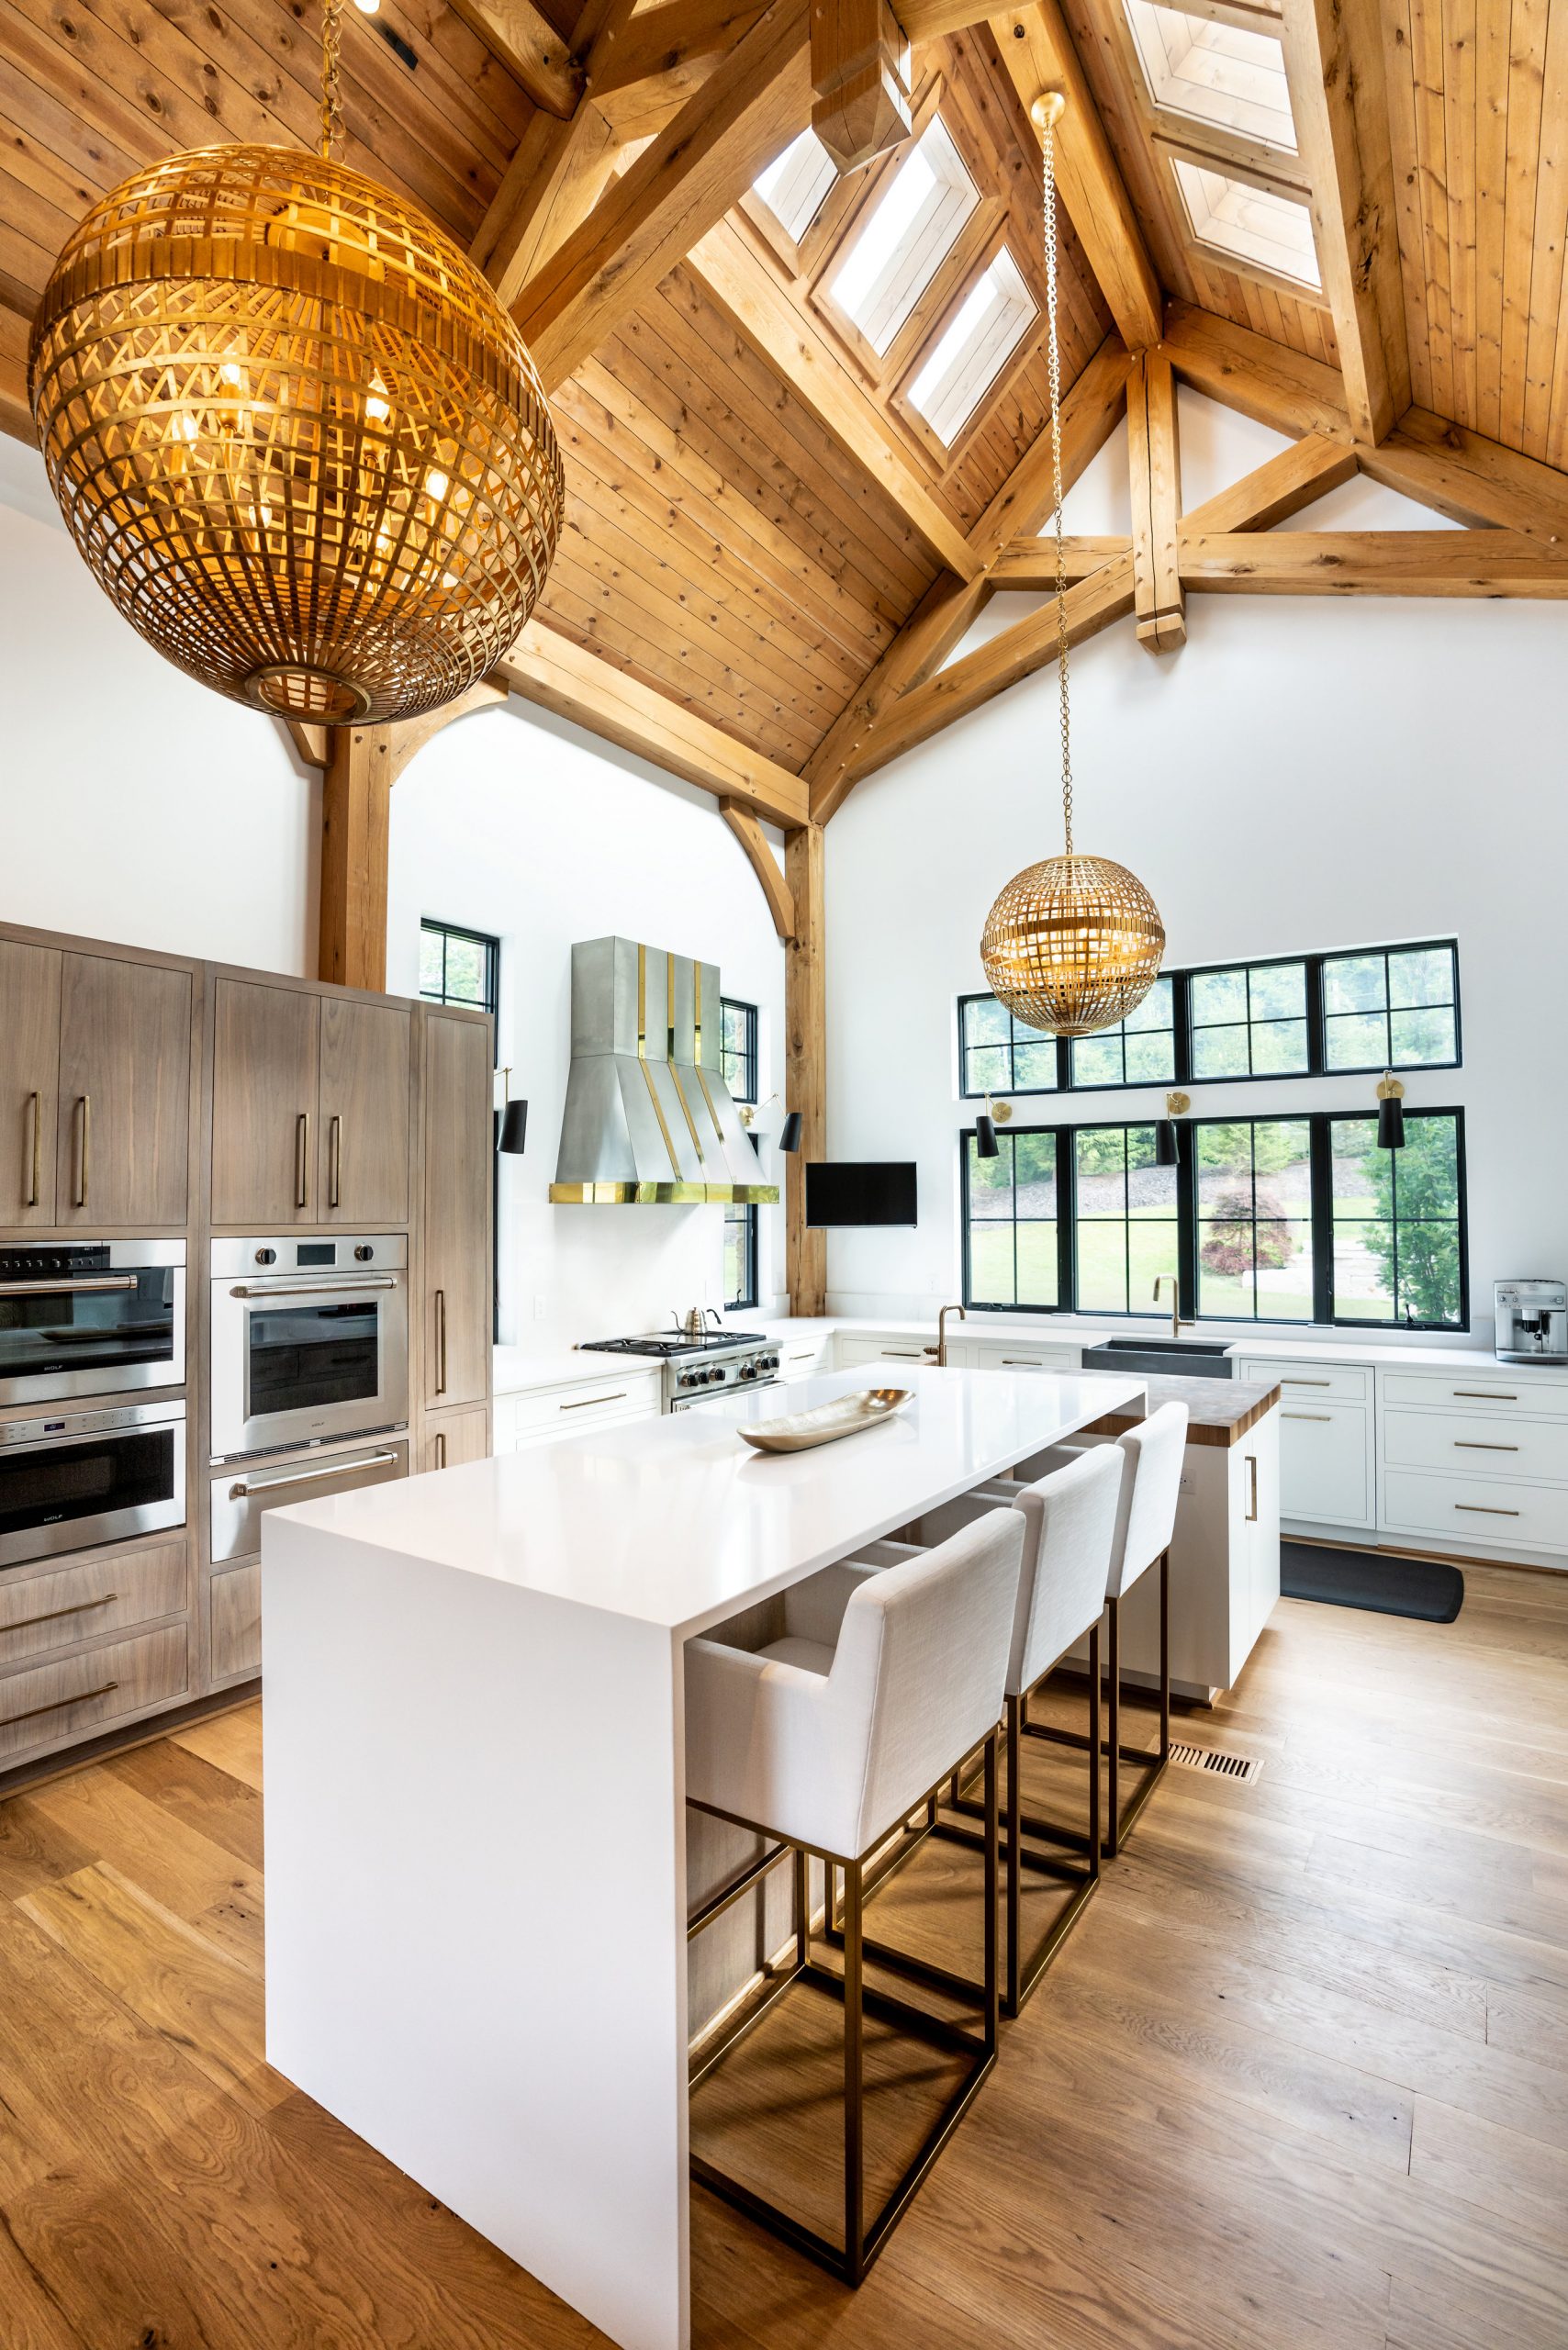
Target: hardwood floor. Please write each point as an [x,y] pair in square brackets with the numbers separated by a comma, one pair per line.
[1299,2078]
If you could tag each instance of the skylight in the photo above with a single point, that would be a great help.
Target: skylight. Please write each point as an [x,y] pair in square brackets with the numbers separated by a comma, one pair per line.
[794,186]
[1253,224]
[1214,73]
[990,324]
[909,235]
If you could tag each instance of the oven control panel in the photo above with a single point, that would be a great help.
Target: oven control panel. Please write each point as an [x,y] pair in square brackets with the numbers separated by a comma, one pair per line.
[54,1264]
[345,1253]
[740,1371]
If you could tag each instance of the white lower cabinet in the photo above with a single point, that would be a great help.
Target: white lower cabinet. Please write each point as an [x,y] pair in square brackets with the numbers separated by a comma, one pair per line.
[851,1351]
[805,1358]
[1328,1457]
[1020,1355]
[539,1416]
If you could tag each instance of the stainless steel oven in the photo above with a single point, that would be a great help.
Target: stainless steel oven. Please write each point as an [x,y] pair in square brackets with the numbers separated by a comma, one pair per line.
[70,1481]
[91,1317]
[241,1495]
[310,1339]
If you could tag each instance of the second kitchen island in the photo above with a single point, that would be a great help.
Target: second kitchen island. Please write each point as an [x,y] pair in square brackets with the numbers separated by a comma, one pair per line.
[476,1862]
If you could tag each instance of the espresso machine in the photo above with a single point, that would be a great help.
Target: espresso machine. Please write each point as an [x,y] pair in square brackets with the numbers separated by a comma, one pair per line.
[1531,1322]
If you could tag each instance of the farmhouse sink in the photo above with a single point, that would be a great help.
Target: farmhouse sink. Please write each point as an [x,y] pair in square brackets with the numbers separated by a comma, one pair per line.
[1172,1358]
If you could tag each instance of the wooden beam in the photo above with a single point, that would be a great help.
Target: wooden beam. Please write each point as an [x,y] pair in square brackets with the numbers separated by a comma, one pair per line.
[665,39]
[411,737]
[760,309]
[1090,414]
[935,20]
[548,668]
[1016,654]
[314,743]
[356,794]
[763,863]
[1277,488]
[747,111]
[1471,479]
[805,1066]
[1334,57]
[1029,565]
[1372,563]
[530,46]
[1037,51]
[1154,470]
[861,104]
[1260,378]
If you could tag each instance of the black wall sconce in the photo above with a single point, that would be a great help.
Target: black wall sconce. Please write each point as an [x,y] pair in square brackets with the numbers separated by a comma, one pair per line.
[1167,1134]
[512,1134]
[1390,1112]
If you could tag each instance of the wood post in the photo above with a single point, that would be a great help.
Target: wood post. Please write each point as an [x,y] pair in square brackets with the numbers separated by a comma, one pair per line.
[1155,463]
[356,798]
[858,72]
[805,1066]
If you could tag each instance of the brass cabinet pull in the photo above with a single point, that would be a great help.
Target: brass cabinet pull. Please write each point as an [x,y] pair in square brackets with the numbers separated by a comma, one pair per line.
[1468,1444]
[245,1491]
[84,1103]
[1484,1396]
[1479,1509]
[903,1354]
[1021,1362]
[1252,1481]
[590,1401]
[334,1159]
[36,1101]
[301,1159]
[1306,1383]
[441,1342]
[1306,1416]
[53,1615]
[441,1448]
[57,1705]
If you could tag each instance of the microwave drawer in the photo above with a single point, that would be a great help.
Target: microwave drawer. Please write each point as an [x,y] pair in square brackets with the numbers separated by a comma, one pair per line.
[243,1492]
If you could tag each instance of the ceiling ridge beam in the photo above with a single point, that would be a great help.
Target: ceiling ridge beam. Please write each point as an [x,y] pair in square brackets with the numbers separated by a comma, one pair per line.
[1037,51]
[530,48]
[745,114]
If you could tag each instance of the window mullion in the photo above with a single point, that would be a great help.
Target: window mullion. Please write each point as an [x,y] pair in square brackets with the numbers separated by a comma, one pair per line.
[1322,1197]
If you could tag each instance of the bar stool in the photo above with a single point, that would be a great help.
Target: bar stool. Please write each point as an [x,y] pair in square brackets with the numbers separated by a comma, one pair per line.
[821,1741]
[1152,1455]
[1069,1521]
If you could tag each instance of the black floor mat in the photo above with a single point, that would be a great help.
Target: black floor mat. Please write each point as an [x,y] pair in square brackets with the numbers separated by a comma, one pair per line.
[1420,1587]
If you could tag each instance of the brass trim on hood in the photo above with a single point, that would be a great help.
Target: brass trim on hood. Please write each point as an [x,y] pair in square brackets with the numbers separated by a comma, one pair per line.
[612,1195]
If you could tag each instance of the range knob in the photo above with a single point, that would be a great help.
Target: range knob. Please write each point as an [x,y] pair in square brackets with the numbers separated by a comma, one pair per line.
[266,1255]
[363,1253]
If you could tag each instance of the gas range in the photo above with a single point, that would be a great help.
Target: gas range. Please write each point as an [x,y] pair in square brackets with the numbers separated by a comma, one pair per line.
[698,1371]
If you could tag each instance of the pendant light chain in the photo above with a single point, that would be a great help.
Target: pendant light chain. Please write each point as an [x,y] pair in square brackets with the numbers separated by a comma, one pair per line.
[1053,367]
[332,99]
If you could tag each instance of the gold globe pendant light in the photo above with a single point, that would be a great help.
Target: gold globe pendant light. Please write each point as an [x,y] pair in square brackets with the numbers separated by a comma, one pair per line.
[293,432]
[1074,943]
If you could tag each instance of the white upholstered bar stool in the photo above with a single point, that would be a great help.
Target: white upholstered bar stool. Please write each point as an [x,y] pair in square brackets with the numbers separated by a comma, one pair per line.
[862,1696]
[1069,1524]
[1152,1454]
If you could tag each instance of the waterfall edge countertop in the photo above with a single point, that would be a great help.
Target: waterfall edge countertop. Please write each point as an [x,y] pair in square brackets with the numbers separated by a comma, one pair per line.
[473,1692]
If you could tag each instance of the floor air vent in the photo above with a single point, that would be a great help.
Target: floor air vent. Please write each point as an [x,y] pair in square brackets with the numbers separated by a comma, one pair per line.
[1242,1768]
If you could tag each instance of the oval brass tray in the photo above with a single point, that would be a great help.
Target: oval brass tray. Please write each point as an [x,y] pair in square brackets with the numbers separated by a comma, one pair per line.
[798,1431]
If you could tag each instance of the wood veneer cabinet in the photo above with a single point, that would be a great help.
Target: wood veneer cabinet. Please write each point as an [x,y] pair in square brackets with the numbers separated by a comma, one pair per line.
[29,1080]
[459,1073]
[309,1108]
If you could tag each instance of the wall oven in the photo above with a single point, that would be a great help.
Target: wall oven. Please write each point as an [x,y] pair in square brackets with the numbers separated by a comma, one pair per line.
[86,1477]
[91,1317]
[241,1495]
[310,1339]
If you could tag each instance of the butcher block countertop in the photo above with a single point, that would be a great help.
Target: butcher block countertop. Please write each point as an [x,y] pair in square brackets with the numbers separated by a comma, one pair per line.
[1220,1410]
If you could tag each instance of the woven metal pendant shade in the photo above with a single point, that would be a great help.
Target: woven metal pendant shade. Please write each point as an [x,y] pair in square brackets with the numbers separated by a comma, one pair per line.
[295,437]
[1072,944]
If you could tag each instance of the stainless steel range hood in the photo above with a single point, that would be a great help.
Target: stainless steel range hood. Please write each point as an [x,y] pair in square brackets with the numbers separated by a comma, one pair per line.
[648,1117]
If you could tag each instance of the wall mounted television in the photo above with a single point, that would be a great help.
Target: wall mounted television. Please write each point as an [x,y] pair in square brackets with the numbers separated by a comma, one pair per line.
[854,1192]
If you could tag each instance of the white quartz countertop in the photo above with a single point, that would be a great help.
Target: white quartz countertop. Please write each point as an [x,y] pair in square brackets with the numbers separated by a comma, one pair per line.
[676,1521]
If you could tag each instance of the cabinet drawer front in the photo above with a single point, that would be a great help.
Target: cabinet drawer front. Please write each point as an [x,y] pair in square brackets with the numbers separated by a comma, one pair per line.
[570,1407]
[234,1621]
[1344,1383]
[853,1351]
[103,1594]
[998,1356]
[1477,1444]
[1478,1391]
[802,1362]
[1463,1510]
[1326,1470]
[73,1697]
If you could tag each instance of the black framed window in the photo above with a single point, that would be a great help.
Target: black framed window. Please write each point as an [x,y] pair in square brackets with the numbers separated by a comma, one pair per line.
[1393,1008]
[1139,1050]
[459,965]
[737,1047]
[738,1067]
[1125,1219]
[1299,1015]
[1289,1220]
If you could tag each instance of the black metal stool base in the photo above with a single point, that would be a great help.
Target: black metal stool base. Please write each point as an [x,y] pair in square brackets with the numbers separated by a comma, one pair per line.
[863,2238]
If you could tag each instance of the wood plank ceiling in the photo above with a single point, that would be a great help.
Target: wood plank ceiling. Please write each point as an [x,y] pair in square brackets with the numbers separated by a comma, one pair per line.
[761,529]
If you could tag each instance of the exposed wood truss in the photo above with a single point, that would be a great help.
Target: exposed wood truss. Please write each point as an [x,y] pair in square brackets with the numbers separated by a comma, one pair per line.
[764,864]
[355,831]
[1154,465]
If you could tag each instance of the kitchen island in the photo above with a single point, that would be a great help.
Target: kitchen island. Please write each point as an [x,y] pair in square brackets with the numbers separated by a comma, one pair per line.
[477,1869]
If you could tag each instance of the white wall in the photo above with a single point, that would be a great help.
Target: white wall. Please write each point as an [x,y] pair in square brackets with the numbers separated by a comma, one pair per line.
[1304,774]
[135,805]
[521,826]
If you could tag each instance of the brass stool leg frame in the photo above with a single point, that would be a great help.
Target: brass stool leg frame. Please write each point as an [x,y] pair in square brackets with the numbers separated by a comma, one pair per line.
[862,2241]
[1151,1766]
